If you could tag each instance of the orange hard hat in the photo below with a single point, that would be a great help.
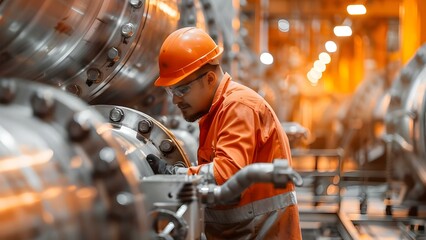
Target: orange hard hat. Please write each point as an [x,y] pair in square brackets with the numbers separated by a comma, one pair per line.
[183,52]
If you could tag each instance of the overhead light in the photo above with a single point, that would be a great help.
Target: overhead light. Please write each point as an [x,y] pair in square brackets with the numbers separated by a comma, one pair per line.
[324,57]
[330,46]
[283,25]
[315,74]
[356,9]
[342,31]
[266,58]
[319,66]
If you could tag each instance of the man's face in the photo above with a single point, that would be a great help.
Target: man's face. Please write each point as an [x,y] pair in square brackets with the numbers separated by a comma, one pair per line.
[193,95]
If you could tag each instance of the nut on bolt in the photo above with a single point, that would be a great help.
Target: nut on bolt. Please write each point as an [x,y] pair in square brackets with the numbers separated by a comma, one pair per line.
[113,54]
[127,30]
[93,75]
[136,3]
[78,131]
[144,126]
[116,114]
[74,89]
[167,146]
[7,91]
[42,103]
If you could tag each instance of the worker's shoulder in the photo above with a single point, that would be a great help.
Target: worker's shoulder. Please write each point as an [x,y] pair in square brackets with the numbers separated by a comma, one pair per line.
[241,94]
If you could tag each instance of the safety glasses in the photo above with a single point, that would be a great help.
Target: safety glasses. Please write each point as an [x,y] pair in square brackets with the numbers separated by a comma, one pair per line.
[182,90]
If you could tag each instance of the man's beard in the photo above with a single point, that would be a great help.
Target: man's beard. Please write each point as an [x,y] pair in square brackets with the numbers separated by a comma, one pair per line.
[194,117]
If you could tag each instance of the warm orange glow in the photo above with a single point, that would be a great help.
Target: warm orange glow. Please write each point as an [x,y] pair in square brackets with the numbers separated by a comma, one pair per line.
[235,48]
[358,63]
[328,84]
[24,199]
[29,160]
[30,198]
[52,192]
[104,129]
[19,200]
[48,217]
[27,198]
[344,74]
[332,190]
[410,26]
[336,180]
[235,23]
[76,162]
[166,9]
[86,193]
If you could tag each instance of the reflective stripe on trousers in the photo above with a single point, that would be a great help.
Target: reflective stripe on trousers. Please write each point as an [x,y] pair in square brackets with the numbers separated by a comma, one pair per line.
[250,210]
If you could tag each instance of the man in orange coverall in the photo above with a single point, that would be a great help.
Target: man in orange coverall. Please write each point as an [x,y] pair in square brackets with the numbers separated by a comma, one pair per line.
[237,128]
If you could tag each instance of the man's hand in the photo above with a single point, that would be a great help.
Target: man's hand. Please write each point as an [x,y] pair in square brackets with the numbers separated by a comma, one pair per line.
[160,166]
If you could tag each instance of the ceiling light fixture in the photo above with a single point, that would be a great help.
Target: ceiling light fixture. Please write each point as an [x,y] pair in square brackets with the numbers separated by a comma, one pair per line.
[342,31]
[283,25]
[266,58]
[356,9]
[330,46]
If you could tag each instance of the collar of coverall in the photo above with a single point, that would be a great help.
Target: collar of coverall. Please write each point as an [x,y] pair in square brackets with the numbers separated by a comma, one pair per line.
[223,85]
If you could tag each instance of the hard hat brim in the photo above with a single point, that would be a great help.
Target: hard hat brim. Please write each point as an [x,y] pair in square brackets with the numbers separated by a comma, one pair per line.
[164,81]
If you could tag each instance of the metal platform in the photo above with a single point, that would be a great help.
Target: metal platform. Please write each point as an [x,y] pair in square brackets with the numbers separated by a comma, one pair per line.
[338,204]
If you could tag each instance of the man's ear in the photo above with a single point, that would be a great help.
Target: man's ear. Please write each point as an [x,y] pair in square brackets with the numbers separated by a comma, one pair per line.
[211,78]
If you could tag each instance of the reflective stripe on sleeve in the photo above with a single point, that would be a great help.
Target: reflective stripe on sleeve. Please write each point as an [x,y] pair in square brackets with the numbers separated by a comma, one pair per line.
[250,210]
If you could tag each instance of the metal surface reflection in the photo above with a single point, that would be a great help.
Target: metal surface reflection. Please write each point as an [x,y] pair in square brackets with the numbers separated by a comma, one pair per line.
[62,170]
[97,50]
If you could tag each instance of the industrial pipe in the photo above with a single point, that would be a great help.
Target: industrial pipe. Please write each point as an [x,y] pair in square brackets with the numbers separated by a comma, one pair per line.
[278,173]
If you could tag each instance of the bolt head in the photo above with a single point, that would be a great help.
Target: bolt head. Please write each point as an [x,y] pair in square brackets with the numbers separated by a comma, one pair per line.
[127,30]
[93,75]
[7,91]
[42,103]
[116,115]
[136,3]
[113,54]
[144,126]
[166,146]
[78,131]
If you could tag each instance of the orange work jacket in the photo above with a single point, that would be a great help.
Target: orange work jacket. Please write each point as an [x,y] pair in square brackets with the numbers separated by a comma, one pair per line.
[240,129]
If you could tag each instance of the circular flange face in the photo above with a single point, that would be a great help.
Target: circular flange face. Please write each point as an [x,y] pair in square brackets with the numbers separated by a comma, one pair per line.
[58,160]
[150,135]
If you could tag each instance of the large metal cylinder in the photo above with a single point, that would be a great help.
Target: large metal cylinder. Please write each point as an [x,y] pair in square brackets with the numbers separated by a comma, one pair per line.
[73,171]
[103,51]
[406,127]
[63,174]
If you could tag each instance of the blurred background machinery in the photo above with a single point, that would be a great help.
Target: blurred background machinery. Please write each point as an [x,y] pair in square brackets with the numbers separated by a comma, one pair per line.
[79,113]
